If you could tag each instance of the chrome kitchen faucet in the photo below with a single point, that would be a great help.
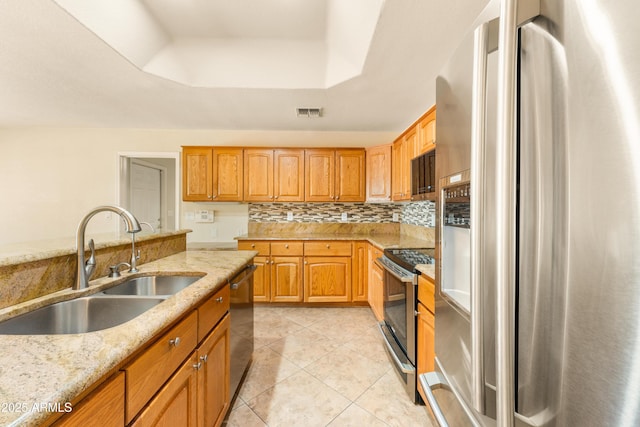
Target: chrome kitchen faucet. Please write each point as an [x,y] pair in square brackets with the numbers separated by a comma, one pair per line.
[86,268]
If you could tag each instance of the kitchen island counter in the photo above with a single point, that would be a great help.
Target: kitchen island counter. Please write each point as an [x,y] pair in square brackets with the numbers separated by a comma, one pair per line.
[43,373]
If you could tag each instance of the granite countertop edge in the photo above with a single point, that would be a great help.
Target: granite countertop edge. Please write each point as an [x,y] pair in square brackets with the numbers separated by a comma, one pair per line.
[55,369]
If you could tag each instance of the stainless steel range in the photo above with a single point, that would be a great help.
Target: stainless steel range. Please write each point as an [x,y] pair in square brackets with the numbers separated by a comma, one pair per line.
[400,302]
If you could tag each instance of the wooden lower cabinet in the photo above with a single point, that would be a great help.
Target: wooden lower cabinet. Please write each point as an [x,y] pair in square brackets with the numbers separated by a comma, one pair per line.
[176,403]
[426,328]
[327,279]
[375,286]
[359,291]
[286,279]
[213,361]
[105,404]
[262,279]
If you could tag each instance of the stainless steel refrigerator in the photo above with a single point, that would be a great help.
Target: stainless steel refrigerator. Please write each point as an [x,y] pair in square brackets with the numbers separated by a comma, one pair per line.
[538,228]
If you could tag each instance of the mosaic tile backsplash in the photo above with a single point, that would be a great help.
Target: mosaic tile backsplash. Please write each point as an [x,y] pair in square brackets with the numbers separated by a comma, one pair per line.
[417,213]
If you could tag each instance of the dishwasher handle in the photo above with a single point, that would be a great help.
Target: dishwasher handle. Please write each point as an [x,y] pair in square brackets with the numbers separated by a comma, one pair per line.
[242,277]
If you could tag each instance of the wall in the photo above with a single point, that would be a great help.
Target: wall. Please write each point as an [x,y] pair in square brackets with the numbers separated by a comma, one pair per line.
[50,178]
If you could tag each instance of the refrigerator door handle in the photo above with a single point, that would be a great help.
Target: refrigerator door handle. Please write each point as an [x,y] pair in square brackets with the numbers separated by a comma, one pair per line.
[430,381]
[513,13]
[485,42]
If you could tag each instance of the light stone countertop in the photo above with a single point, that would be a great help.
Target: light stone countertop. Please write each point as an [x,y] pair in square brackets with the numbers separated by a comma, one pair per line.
[54,369]
[17,253]
[428,270]
[382,241]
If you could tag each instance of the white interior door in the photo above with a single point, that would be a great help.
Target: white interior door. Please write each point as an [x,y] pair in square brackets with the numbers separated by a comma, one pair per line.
[146,194]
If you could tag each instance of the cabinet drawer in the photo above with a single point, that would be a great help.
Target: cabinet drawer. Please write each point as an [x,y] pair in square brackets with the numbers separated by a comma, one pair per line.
[327,248]
[426,293]
[254,245]
[151,369]
[286,248]
[210,313]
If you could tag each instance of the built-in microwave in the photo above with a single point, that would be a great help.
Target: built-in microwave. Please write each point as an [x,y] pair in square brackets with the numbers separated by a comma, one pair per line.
[423,176]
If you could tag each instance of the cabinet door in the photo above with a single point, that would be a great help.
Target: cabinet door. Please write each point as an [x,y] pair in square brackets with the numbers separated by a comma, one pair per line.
[262,279]
[213,375]
[288,175]
[360,272]
[105,404]
[319,175]
[425,342]
[197,173]
[350,176]
[258,175]
[227,174]
[398,169]
[378,172]
[286,279]
[176,403]
[327,279]
[427,132]
[375,284]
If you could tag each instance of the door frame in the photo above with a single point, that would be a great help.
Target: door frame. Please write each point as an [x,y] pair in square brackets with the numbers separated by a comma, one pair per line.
[122,185]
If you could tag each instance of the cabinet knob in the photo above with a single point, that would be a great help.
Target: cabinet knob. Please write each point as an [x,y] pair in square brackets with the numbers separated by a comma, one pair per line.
[286,246]
[214,196]
[197,366]
[174,341]
[253,245]
[328,246]
[337,197]
[219,300]
[208,196]
[276,197]
[204,358]
[306,262]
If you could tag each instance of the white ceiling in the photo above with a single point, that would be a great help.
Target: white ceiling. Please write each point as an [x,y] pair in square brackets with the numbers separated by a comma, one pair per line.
[55,71]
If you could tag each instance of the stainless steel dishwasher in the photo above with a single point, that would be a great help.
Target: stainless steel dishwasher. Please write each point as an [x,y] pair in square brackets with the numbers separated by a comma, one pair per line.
[241,333]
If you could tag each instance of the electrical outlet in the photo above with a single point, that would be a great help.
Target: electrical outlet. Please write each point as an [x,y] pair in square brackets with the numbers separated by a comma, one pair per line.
[344,216]
[396,217]
[289,216]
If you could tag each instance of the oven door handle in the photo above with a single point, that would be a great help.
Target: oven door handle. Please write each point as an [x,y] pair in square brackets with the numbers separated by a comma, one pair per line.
[405,368]
[404,279]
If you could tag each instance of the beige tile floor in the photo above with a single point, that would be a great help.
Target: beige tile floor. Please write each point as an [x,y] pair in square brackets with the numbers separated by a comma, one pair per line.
[321,367]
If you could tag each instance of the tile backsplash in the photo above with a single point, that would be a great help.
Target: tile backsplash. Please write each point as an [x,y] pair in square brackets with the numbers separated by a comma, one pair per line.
[416,213]
[419,213]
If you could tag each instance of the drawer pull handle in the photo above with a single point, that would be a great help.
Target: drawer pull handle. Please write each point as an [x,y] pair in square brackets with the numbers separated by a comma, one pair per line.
[174,341]
[197,366]
[204,358]
[220,299]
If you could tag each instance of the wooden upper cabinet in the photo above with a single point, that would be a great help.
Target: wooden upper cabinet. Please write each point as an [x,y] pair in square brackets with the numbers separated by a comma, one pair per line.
[379,173]
[319,175]
[258,175]
[427,131]
[401,170]
[288,175]
[197,173]
[212,174]
[350,176]
[227,174]
[335,175]
[273,175]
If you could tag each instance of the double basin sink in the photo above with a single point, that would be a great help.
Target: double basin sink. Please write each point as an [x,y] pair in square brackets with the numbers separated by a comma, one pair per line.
[103,310]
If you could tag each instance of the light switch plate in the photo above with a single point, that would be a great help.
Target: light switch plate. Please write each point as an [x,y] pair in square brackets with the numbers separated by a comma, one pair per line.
[204,216]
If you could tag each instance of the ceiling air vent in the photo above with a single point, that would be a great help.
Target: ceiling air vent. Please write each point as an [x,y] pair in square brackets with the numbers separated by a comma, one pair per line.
[309,112]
